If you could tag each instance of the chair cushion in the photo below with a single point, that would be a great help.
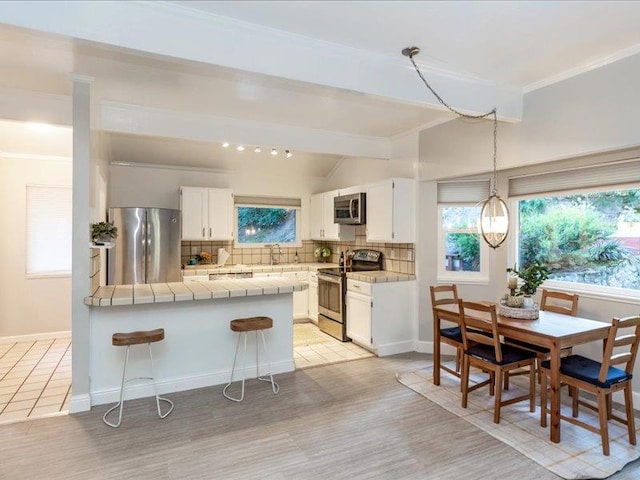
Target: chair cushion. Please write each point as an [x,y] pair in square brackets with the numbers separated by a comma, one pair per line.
[587,370]
[509,354]
[527,345]
[453,333]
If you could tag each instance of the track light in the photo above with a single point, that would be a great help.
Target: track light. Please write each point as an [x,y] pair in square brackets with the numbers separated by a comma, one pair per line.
[240,148]
[288,153]
[225,145]
[257,150]
[274,151]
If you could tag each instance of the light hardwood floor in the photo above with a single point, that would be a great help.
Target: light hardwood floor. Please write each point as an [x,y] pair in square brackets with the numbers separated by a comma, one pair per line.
[348,420]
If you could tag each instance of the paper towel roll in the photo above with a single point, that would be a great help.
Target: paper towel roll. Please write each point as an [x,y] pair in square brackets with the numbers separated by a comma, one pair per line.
[223,256]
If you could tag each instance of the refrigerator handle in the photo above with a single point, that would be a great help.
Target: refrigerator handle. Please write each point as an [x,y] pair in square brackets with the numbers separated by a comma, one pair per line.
[145,246]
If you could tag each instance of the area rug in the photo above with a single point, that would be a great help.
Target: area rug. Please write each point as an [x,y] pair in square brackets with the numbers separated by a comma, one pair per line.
[305,334]
[577,456]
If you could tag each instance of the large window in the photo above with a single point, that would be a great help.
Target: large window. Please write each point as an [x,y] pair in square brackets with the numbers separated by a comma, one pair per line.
[49,231]
[268,222]
[462,255]
[584,238]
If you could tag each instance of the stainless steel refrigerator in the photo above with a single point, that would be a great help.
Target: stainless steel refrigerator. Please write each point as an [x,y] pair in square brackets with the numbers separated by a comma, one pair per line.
[147,249]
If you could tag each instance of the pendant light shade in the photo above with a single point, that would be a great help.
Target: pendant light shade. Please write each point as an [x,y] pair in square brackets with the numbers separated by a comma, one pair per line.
[494,216]
[494,221]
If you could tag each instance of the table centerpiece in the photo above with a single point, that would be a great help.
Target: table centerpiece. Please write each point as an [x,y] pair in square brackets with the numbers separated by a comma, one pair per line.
[518,303]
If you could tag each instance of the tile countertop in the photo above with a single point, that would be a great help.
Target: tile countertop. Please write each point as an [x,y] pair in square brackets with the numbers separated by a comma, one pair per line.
[190,270]
[111,295]
[380,277]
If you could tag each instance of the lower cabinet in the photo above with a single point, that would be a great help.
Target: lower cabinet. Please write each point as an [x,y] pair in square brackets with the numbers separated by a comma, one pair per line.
[300,299]
[313,297]
[381,316]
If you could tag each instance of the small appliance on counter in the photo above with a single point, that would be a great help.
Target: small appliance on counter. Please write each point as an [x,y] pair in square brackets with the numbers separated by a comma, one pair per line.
[223,256]
[332,288]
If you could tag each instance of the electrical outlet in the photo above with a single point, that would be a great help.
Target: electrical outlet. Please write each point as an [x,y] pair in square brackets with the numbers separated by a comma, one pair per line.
[410,255]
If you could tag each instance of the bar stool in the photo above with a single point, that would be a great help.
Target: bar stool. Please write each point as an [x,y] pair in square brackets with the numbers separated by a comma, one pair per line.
[243,326]
[136,338]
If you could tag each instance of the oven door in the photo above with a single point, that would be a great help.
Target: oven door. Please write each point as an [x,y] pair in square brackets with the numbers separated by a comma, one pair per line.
[331,297]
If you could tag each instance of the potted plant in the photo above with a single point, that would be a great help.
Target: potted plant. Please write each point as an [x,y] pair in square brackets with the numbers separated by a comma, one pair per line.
[532,277]
[322,253]
[103,232]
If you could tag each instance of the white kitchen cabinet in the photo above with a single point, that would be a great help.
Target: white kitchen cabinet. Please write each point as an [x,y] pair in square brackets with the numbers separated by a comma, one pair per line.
[313,297]
[207,213]
[321,222]
[300,299]
[381,316]
[390,211]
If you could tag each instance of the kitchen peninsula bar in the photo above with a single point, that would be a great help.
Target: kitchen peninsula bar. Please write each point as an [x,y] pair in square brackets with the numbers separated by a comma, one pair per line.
[198,347]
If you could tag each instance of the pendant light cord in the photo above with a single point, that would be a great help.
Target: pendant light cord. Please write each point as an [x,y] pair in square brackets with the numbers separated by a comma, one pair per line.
[494,191]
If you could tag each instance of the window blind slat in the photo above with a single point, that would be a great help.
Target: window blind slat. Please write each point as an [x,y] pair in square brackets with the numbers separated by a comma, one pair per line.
[270,201]
[620,173]
[49,230]
[463,192]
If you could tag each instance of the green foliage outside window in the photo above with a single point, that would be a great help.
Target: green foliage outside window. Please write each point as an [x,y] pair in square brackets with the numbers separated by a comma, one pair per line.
[577,237]
[266,225]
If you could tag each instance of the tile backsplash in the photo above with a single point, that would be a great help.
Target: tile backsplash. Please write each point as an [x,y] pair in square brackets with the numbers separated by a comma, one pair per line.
[397,257]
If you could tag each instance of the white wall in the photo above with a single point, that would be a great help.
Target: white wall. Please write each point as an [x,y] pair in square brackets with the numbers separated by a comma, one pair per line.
[159,187]
[594,112]
[28,306]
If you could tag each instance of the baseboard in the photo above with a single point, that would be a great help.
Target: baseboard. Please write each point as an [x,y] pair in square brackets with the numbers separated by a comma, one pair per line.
[79,403]
[427,347]
[394,348]
[181,384]
[35,336]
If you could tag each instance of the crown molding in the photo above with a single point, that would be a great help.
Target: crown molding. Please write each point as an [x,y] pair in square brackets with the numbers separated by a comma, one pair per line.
[574,72]
[33,156]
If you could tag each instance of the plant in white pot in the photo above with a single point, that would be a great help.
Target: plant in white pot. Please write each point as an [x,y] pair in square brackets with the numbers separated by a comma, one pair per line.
[532,277]
[103,232]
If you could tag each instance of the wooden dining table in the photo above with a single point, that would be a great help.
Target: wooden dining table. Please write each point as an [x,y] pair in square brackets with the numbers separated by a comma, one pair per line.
[551,330]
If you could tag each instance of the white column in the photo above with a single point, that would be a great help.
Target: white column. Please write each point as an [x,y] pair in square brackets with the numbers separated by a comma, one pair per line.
[80,281]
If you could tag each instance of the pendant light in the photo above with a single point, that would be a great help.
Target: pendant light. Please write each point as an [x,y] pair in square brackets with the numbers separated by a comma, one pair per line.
[494,214]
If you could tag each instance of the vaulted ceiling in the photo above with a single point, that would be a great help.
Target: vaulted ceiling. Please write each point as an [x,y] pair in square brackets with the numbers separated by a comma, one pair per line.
[325,79]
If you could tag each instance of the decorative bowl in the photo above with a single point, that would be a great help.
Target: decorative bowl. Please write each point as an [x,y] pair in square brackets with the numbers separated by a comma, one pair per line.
[519,312]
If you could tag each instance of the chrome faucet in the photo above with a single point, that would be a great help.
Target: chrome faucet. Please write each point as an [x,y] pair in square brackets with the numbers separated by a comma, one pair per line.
[273,260]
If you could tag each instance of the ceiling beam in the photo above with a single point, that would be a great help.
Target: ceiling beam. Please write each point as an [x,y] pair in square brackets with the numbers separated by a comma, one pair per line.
[169,29]
[139,120]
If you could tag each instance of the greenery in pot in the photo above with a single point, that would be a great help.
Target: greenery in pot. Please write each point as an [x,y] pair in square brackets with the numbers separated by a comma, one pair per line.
[103,231]
[533,276]
[322,253]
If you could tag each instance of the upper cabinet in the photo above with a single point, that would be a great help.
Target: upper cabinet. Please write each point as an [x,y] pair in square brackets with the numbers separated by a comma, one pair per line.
[321,222]
[207,213]
[390,211]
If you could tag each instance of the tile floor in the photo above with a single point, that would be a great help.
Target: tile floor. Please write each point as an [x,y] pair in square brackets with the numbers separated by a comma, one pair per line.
[313,348]
[35,379]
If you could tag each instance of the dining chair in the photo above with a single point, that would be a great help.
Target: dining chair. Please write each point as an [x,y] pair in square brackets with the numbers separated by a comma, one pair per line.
[483,350]
[601,379]
[452,336]
[561,302]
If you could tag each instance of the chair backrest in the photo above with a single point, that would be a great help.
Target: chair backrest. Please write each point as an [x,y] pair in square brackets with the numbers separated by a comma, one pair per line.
[630,340]
[450,293]
[570,300]
[479,323]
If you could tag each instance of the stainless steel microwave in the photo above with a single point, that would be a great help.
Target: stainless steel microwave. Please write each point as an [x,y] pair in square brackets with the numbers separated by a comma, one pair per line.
[350,209]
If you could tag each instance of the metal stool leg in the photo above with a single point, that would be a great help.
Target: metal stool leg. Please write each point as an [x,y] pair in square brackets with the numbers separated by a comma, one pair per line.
[274,386]
[244,366]
[121,402]
[155,389]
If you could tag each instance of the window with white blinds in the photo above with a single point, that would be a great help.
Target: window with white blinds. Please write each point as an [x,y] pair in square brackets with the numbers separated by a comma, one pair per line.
[471,191]
[610,174]
[49,230]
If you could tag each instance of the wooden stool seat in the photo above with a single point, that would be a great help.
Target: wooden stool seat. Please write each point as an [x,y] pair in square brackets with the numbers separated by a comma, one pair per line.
[137,338]
[127,340]
[243,326]
[251,324]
